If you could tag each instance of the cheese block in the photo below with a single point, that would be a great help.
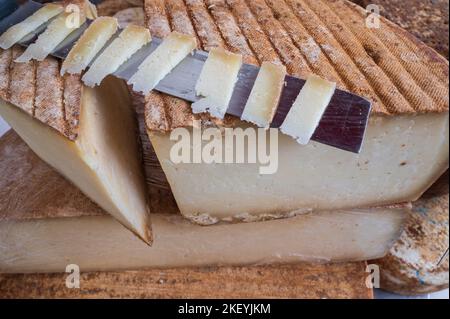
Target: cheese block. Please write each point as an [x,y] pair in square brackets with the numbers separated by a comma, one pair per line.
[88,135]
[19,31]
[157,65]
[216,82]
[47,230]
[53,35]
[89,45]
[407,132]
[418,261]
[308,108]
[129,41]
[265,95]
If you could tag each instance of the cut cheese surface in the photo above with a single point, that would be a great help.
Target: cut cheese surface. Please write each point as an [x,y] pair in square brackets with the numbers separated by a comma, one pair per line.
[401,157]
[55,33]
[89,45]
[174,48]
[19,31]
[323,237]
[308,108]
[265,95]
[130,40]
[103,162]
[216,83]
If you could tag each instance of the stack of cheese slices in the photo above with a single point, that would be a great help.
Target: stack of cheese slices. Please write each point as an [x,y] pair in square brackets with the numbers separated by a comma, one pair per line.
[334,205]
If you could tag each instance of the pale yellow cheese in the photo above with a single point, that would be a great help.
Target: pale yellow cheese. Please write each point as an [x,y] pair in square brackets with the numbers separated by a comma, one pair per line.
[19,31]
[56,32]
[89,45]
[174,48]
[100,243]
[265,95]
[103,162]
[400,158]
[216,82]
[130,40]
[308,108]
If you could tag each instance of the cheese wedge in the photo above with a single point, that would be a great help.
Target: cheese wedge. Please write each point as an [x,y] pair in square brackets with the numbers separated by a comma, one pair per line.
[157,65]
[130,40]
[89,45]
[401,157]
[308,108]
[265,95]
[103,160]
[19,31]
[55,33]
[216,83]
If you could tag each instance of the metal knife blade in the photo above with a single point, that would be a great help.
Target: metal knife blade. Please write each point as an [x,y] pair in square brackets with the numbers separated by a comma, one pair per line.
[343,124]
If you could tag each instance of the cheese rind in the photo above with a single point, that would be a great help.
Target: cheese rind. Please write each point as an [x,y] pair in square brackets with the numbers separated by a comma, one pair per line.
[103,162]
[216,82]
[89,45]
[55,33]
[174,48]
[19,31]
[130,40]
[265,95]
[308,108]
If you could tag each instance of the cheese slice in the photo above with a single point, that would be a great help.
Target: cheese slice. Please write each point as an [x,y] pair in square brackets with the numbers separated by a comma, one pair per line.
[19,31]
[55,33]
[130,40]
[308,108]
[89,45]
[157,65]
[265,95]
[216,82]
[103,161]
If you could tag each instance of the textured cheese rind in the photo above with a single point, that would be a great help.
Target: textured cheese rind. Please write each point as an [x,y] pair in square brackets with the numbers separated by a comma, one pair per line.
[20,30]
[216,82]
[157,65]
[130,40]
[265,95]
[308,108]
[55,33]
[90,43]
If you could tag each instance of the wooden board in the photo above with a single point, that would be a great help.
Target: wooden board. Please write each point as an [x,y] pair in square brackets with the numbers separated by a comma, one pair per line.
[22,173]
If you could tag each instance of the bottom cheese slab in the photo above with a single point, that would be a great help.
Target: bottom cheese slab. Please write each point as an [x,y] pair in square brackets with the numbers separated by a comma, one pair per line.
[46,223]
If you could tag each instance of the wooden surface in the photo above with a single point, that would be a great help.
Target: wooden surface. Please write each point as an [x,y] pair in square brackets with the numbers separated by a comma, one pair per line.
[294,281]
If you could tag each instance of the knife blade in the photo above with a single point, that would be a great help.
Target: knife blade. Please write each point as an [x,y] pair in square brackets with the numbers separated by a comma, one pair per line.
[343,124]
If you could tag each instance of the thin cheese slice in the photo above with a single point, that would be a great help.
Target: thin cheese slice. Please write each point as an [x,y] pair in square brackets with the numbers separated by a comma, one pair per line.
[308,108]
[55,33]
[216,82]
[265,95]
[19,31]
[89,45]
[118,52]
[156,66]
